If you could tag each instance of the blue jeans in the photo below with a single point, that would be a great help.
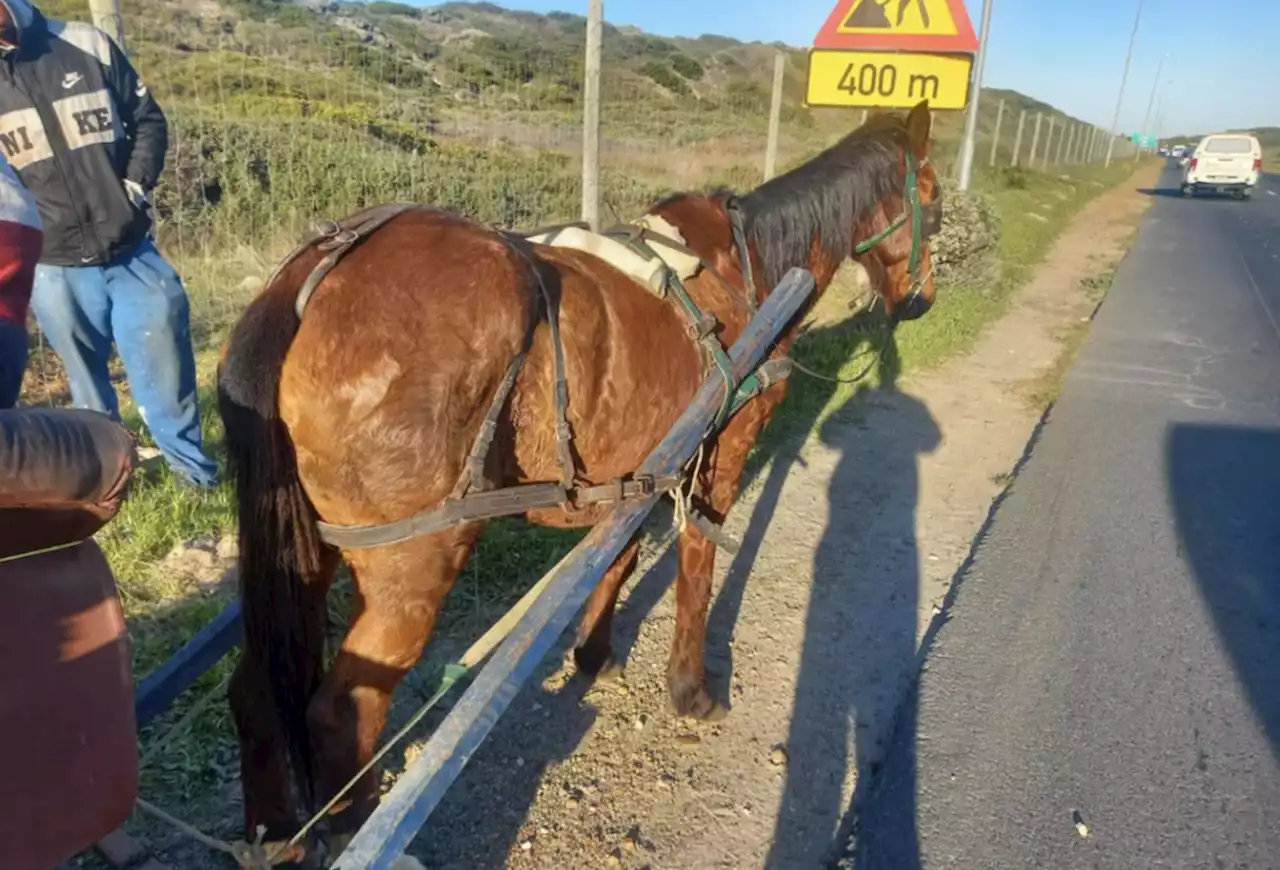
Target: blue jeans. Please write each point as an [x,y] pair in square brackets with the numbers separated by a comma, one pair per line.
[13,362]
[139,302]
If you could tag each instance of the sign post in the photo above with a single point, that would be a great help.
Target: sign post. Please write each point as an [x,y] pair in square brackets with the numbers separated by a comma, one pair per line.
[893,54]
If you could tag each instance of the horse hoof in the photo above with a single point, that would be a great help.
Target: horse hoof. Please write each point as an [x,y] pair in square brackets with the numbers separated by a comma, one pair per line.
[695,702]
[717,713]
[602,667]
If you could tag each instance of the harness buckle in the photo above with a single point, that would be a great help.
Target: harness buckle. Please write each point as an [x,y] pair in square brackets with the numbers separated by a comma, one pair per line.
[645,485]
[337,240]
[703,327]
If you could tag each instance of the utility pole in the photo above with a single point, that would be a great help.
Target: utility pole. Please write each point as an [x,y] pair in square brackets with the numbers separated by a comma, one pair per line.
[1124,77]
[965,175]
[1146,121]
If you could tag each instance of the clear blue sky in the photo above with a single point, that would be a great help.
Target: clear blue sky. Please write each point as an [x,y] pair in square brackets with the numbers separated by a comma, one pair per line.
[1224,55]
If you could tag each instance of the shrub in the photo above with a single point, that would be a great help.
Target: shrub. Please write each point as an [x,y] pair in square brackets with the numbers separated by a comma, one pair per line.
[963,252]
[687,67]
[665,77]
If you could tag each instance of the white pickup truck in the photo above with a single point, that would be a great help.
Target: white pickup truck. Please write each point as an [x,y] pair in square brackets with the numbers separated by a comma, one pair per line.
[1223,163]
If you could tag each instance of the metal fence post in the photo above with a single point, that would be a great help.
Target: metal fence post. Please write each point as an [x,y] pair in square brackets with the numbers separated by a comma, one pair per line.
[1062,143]
[591,116]
[1017,139]
[1048,144]
[1071,145]
[995,136]
[775,117]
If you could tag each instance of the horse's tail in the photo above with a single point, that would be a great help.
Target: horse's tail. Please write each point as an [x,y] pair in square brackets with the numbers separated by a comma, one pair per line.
[282,582]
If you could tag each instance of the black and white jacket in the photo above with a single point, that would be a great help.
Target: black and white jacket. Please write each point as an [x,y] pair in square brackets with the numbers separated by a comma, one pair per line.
[76,122]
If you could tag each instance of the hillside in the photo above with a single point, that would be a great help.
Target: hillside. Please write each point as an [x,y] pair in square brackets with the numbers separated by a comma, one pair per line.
[284,113]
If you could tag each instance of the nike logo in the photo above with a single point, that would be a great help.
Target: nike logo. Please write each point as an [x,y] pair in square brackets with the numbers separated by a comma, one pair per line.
[71,79]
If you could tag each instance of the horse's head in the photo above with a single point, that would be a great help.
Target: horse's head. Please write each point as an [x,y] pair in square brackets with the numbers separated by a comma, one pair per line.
[891,241]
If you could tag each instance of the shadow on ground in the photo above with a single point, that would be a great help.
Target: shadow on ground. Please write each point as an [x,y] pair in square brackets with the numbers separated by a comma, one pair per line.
[1222,483]
[860,628]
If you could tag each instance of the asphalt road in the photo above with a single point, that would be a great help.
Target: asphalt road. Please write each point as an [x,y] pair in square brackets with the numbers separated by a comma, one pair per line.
[1112,653]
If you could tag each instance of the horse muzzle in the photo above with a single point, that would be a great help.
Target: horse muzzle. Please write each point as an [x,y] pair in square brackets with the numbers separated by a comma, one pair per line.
[913,307]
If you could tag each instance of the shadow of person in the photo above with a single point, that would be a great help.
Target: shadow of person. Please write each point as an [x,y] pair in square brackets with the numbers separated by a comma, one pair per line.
[860,628]
[779,451]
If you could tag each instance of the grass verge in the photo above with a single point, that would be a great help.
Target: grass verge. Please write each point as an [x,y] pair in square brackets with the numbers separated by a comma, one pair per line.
[195,775]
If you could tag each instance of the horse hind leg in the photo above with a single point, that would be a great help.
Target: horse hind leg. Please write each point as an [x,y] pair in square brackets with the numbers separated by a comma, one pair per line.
[593,652]
[399,591]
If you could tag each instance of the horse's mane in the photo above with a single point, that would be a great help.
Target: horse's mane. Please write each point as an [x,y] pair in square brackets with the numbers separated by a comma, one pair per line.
[825,197]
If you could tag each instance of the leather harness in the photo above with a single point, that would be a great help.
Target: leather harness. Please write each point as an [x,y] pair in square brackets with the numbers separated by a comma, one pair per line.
[473,497]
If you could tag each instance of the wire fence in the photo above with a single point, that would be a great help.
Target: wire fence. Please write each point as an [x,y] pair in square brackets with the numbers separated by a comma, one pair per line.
[283,115]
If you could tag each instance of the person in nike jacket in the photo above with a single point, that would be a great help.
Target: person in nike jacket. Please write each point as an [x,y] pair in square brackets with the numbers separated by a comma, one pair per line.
[88,140]
[20,238]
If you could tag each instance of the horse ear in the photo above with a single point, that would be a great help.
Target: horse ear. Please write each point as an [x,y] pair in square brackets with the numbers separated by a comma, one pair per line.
[919,125]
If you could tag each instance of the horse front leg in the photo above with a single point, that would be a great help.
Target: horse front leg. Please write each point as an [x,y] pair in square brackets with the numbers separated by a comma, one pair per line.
[686,669]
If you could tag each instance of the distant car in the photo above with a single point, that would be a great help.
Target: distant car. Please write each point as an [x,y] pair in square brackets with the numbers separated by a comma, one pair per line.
[1223,163]
[1164,151]
[1177,151]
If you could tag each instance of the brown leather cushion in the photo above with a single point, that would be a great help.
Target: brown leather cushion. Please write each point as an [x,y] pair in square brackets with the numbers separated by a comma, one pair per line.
[69,767]
[63,475]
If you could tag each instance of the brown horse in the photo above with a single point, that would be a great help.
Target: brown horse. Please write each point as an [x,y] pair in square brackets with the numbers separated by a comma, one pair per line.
[364,410]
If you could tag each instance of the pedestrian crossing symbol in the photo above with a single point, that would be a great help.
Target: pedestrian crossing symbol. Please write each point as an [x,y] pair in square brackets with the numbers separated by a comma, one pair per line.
[902,25]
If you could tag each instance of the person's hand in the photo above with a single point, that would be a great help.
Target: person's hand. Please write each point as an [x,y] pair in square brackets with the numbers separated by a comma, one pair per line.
[137,195]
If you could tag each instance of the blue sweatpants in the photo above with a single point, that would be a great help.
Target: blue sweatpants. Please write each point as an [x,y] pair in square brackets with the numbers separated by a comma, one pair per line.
[13,361]
[139,302]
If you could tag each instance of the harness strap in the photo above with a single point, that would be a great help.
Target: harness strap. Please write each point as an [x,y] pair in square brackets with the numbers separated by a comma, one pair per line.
[491,504]
[472,498]
[473,476]
[700,324]
[560,389]
[338,240]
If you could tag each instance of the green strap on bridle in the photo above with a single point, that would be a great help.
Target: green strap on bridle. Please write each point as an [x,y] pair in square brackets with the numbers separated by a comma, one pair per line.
[911,192]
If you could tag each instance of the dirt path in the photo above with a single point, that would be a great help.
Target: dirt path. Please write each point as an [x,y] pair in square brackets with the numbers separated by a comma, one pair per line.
[851,539]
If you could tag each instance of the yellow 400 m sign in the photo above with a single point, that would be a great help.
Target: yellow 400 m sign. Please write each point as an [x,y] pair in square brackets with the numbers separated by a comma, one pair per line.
[887,78]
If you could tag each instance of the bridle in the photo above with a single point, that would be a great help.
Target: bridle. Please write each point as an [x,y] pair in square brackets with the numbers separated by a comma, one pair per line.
[926,222]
